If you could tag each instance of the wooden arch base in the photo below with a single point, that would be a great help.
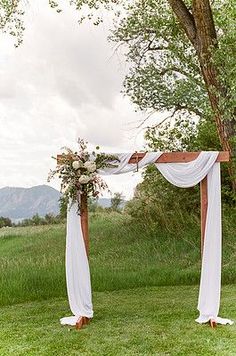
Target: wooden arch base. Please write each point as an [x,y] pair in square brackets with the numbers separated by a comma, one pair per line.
[166,157]
[82,321]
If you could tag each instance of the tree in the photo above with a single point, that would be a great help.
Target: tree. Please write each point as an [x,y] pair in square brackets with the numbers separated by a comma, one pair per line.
[37,220]
[177,62]
[92,204]
[49,218]
[116,201]
[5,222]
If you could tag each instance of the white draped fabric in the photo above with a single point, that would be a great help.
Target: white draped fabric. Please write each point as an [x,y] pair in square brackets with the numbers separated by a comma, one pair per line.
[182,175]
[77,270]
[122,166]
[187,175]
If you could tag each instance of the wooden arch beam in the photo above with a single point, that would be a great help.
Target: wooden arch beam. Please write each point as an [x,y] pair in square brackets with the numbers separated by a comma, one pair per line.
[166,157]
[178,157]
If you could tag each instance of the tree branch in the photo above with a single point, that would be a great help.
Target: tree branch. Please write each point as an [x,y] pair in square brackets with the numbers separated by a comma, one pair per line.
[185,18]
[176,110]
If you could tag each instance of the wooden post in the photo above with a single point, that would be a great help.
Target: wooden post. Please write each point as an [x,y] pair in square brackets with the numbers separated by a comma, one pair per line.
[83,320]
[84,221]
[204,205]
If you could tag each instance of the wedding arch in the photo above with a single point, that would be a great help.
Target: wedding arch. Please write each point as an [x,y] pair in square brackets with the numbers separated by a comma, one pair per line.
[183,169]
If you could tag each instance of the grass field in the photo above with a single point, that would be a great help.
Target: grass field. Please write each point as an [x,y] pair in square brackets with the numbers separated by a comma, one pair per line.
[123,256]
[145,283]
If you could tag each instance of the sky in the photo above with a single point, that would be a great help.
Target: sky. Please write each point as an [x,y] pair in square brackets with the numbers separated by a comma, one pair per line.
[62,83]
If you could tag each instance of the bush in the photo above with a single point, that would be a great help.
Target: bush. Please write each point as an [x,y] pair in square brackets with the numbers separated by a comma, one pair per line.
[5,222]
[156,201]
[37,220]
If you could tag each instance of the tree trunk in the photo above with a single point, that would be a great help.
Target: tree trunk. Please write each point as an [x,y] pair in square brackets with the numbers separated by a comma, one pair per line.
[225,129]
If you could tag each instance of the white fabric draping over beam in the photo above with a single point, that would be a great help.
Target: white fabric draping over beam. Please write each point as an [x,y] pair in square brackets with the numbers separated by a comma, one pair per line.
[182,175]
[123,165]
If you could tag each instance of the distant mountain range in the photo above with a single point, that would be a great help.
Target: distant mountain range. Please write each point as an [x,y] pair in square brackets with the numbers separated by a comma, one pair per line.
[21,203]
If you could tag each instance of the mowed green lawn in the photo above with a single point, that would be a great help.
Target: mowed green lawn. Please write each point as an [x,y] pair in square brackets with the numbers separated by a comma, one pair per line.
[145,321]
[145,283]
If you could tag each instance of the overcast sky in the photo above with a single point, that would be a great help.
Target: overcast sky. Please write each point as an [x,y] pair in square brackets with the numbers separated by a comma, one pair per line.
[63,82]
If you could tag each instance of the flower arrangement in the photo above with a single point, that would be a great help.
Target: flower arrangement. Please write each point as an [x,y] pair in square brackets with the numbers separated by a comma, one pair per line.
[79,172]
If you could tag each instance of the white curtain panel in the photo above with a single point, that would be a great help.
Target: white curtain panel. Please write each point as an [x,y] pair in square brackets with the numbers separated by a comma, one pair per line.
[182,175]
[187,175]
[77,270]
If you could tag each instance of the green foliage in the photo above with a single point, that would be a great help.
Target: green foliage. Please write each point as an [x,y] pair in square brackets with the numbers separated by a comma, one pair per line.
[11,19]
[5,222]
[92,204]
[37,220]
[164,72]
[224,56]
[116,201]
[162,205]
[172,136]
[160,201]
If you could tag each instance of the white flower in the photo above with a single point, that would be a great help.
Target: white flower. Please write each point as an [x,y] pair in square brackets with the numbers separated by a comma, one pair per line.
[90,166]
[76,164]
[84,179]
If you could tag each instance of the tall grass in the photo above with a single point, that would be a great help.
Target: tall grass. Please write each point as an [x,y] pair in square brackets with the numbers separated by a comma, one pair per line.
[31,263]
[124,254]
